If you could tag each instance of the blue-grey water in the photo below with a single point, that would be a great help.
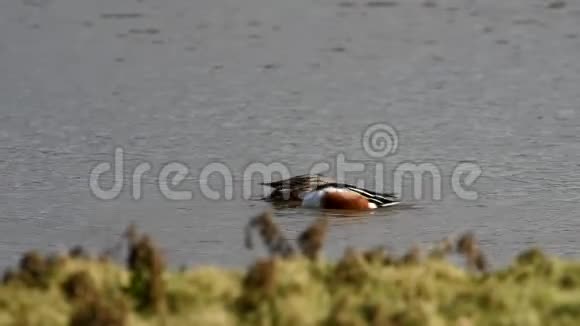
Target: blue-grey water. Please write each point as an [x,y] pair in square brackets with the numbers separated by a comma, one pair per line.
[295,82]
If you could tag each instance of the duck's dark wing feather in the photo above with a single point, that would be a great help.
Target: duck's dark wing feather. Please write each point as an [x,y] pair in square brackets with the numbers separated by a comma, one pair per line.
[292,189]
[300,181]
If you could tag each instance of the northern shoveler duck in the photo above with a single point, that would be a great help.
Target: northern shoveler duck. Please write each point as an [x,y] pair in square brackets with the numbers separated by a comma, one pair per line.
[315,191]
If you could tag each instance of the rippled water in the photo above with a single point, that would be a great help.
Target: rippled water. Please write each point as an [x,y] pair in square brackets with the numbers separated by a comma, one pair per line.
[294,82]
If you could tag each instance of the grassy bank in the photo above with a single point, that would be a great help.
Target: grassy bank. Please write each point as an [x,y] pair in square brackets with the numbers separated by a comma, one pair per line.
[293,287]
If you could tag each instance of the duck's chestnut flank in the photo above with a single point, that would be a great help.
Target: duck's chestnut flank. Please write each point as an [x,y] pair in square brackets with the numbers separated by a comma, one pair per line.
[344,200]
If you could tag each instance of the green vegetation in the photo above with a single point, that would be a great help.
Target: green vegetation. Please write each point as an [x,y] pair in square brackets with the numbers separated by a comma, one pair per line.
[293,287]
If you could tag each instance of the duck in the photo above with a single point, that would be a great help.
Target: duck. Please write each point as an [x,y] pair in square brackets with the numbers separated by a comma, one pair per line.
[319,192]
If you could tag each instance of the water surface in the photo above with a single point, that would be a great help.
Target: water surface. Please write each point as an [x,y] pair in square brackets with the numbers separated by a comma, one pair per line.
[294,82]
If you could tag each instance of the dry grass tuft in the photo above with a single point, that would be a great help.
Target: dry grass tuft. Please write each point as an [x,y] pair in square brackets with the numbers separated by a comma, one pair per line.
[271,235]
[413,256]
[79,286]
[78,252]
[34,270]
[350,269]
[261,275]
[312,239]
[9,276]
[146,265]
[468,246]
[377,254]
[441,249]
[98,312]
